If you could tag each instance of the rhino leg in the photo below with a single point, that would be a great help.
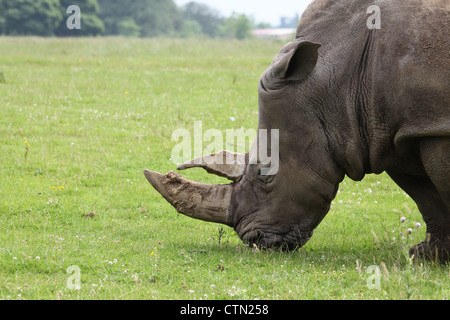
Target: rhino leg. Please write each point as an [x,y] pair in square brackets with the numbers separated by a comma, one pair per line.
[434,212]
[435,153]
[431,192]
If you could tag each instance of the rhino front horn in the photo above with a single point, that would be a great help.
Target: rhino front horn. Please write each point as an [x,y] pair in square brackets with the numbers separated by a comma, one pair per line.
[196,200]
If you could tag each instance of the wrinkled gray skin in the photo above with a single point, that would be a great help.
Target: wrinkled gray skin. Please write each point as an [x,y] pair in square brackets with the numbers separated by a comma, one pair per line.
[351,101]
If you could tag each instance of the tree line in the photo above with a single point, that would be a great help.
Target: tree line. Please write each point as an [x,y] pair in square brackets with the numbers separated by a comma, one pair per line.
[137,18]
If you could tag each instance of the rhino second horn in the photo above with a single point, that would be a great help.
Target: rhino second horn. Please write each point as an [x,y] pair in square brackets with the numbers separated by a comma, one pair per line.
[225,164]
[209,203]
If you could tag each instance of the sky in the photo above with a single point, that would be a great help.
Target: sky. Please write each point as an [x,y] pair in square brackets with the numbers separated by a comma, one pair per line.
[261,10]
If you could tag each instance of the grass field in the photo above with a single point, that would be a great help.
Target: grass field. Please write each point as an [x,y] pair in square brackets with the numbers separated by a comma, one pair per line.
[81,119]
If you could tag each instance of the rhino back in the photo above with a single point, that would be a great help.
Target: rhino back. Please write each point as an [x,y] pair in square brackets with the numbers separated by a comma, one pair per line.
[412,69]
[392,83]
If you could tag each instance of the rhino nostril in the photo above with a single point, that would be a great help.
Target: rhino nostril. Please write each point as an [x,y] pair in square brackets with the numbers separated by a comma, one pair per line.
[261,240]
[254,238]
[286,242]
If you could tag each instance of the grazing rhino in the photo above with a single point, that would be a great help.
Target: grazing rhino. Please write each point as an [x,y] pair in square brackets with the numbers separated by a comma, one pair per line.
[350,96]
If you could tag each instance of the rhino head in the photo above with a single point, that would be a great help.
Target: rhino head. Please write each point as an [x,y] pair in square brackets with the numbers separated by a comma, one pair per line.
[270,209]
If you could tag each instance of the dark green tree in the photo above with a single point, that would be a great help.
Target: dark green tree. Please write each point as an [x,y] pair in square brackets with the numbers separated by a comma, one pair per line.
[208,18]
[157,17]
[91,25]
[237,26]
[31,17]
[149,17]
[128,28]
[112,12]
[2,18]
[191,28]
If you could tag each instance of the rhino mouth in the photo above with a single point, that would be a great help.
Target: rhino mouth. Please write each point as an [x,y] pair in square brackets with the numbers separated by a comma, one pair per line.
[267,240]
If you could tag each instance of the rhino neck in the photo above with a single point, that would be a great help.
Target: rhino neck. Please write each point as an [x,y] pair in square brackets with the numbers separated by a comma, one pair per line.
[346,65]
[360,101]
[339,104]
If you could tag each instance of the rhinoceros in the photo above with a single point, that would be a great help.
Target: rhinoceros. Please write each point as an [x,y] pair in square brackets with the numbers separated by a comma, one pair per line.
[364,88]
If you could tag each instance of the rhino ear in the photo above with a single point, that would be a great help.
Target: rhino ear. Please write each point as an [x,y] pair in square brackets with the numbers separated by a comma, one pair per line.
[297,63]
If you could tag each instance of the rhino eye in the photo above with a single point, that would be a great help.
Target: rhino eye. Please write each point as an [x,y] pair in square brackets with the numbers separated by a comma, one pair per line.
[265,178]
[261,84]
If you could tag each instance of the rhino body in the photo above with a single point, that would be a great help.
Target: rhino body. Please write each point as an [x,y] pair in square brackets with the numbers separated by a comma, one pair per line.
[348,99]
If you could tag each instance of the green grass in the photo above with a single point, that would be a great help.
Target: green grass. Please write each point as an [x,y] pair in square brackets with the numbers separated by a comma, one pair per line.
[95,113]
